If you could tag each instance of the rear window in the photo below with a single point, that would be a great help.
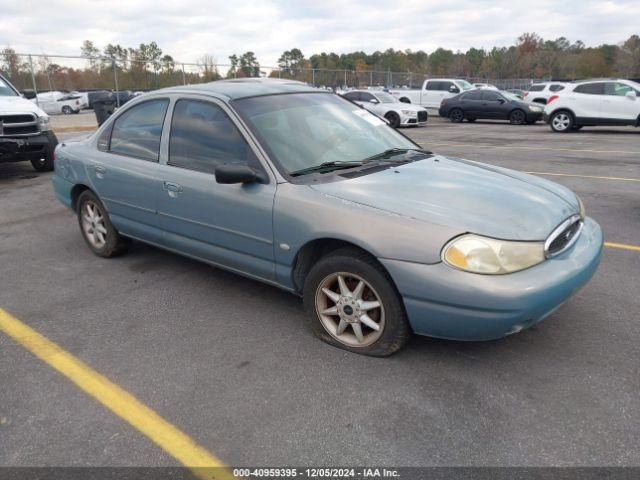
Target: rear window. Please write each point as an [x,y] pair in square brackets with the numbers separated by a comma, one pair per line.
[556,88]
[536,88]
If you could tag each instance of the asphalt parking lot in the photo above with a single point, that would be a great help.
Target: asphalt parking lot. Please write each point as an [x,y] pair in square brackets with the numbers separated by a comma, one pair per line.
[231,362]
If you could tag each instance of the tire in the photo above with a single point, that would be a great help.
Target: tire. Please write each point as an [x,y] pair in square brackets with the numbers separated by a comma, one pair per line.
[44,164]
[456,115]
[561,122]
[355,267]
[517,117]
[66,110]
[394,119]
[107,242]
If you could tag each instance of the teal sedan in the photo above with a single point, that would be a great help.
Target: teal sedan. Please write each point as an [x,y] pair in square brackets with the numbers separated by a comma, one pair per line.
[304,190]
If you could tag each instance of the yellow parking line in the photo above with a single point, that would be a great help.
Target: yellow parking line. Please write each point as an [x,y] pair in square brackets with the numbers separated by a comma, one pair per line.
[622,179]
[173,441]
[528,147]
[622,246]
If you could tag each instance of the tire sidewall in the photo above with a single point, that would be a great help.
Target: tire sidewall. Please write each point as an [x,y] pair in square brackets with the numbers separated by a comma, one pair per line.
[113,241]
[396,331]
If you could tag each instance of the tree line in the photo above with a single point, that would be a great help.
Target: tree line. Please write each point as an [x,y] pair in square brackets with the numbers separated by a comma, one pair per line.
[148,67]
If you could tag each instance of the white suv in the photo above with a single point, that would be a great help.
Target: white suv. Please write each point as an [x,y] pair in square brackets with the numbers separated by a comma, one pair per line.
[540,92]
[594,102]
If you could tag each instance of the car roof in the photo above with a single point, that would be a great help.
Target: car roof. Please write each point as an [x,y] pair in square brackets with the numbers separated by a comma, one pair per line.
[245,87]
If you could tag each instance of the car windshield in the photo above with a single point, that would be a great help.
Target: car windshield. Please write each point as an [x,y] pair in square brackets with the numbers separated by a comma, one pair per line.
[465,85]
[6,90]
[304,130]
[386,98]
[510,96]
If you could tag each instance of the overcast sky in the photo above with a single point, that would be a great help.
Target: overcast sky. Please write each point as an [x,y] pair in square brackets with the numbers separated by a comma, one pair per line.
[188,29]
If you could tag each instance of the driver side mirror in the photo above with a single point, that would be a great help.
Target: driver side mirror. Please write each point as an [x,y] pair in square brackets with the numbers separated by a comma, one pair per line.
[631,94]
[374,101]
[454,89]
[235,173]
[501,100]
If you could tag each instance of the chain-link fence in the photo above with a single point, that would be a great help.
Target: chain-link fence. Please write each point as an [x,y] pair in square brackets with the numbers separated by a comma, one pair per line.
[38,73]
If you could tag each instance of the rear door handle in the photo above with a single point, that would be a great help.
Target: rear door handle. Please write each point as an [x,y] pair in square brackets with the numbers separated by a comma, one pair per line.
[173,189]
[100,171]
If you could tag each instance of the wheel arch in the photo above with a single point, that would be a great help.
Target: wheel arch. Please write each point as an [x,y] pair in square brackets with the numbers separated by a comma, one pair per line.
[76,191]
[405,99]
[312,251]
[562,109]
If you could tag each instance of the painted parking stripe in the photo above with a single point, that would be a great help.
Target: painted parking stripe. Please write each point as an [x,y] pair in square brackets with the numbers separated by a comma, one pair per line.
[172,440]
[622,246]
[530,147]
[597,177]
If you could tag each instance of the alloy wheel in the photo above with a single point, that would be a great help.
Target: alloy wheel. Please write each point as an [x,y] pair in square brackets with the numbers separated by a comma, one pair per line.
[350,309]
[93,224]
[561,121]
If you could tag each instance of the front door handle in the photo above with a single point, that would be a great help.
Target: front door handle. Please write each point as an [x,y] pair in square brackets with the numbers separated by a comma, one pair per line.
[100,171]
[173,189]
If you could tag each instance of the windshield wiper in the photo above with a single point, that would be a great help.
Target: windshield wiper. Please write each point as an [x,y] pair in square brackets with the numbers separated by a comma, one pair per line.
[391,152]
[328,166]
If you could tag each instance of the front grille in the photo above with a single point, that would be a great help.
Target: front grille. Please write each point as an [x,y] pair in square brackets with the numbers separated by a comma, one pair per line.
[563,236]
[422,116]
[18,125]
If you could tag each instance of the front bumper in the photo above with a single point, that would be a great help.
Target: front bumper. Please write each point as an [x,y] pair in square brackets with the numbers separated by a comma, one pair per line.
[418,120]
[25,148]
[447,303]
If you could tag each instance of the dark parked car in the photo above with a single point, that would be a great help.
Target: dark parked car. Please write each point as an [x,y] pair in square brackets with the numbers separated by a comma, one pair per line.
[491,104]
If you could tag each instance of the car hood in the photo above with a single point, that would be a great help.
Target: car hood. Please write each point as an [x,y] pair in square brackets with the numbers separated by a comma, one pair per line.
[19,105]
[406,106]
[465,195]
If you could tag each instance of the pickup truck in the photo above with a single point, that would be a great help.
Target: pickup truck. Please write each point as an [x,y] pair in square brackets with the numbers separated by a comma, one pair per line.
[25,133]
[433,91]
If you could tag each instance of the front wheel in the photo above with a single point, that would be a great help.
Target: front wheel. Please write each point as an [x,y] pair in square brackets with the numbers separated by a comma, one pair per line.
[456,115]
[352,304]
[561,122]
[517,117]
[394,119]
[96,227]
[67,110]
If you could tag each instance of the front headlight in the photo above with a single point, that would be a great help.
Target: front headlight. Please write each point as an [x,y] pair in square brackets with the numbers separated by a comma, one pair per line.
[43,123]
[583,211]
[409,113]
[477,254]
[533,108]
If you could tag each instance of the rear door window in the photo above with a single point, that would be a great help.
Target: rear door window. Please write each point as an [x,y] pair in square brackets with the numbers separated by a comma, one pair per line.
[136,133]
[556,88]
[433,85]
[353,96]
[475,95]
[596,88]
[488,96]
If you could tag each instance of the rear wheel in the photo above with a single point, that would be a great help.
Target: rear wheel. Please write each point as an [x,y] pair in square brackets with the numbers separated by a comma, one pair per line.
[456,115]
[352,304]
[393,118]
[561,122]
[97,230]
[517,117]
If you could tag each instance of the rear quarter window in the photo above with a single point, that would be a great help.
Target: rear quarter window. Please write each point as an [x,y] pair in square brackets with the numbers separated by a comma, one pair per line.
[536,88]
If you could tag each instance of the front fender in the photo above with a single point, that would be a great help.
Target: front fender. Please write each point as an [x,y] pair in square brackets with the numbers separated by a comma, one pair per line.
[302,214]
